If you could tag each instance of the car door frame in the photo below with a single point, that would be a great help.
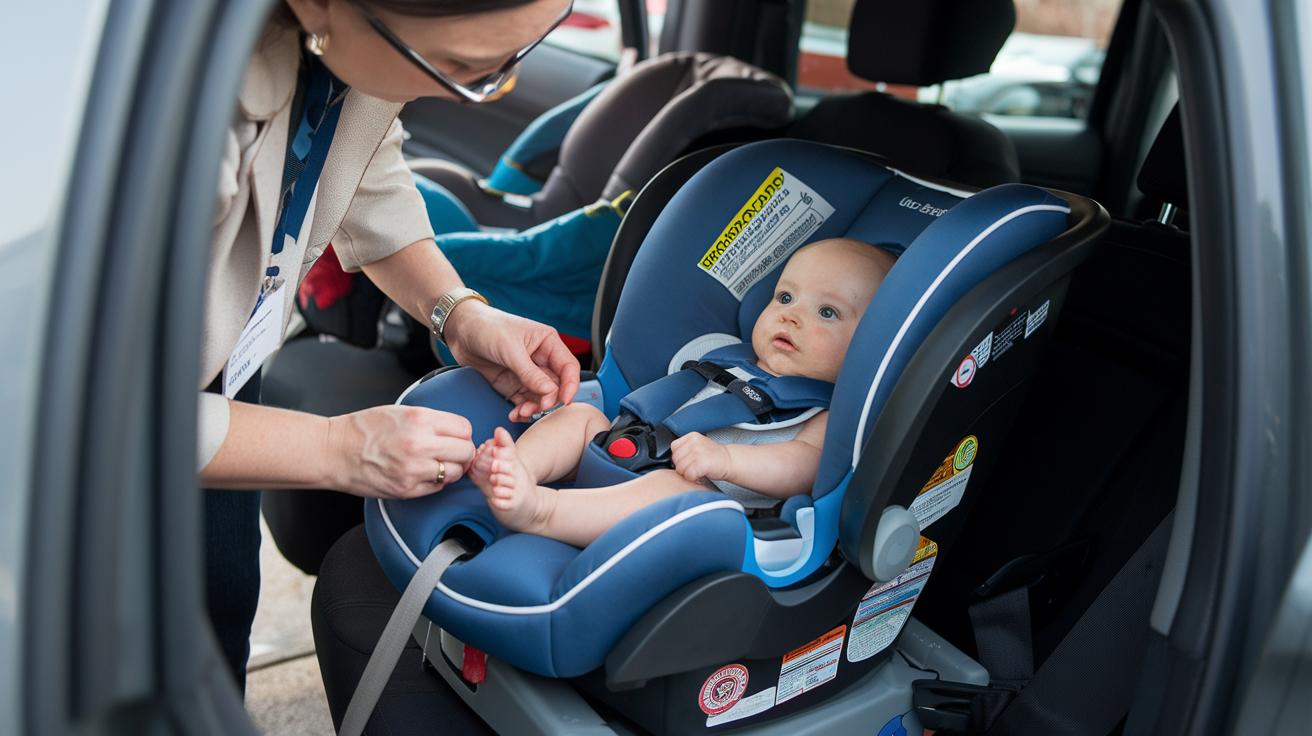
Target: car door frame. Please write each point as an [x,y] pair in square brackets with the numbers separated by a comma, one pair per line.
[1250,504]
[117,634]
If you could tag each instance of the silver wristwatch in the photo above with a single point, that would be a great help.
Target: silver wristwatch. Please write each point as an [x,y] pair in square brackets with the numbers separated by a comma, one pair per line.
[447,303]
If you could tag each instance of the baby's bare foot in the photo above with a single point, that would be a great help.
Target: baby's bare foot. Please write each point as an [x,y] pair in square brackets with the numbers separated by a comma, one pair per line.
[515,498]
[481,468]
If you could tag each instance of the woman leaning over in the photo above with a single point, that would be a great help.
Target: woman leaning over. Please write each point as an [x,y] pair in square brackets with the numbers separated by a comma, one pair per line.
[313,157]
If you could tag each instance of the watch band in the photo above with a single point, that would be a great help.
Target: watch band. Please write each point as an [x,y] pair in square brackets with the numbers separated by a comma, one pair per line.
[446,304]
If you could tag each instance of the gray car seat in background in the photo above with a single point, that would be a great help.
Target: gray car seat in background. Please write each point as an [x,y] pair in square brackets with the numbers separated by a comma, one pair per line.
[920,43]
[639,123]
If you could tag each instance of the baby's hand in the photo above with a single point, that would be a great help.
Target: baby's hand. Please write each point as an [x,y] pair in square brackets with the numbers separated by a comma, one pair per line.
[696,457]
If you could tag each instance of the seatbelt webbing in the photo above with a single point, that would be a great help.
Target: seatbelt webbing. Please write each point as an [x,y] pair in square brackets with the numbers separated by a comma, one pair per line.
[388,650]
[1086,685]
[1004,637]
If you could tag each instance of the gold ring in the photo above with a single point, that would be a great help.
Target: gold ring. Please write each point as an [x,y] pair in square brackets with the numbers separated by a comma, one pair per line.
[441,473]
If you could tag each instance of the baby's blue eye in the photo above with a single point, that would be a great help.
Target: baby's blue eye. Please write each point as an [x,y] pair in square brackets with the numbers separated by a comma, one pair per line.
[828,312]
[785,298]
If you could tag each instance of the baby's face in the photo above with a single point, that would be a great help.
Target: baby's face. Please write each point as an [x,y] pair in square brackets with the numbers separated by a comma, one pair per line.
[820,297]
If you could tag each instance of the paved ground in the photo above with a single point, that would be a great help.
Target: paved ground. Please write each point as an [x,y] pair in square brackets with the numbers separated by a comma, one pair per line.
[284,692]
[287,699]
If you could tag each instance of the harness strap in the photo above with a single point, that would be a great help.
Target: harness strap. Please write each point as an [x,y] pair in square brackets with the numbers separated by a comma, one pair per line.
[392,642]
[744,402]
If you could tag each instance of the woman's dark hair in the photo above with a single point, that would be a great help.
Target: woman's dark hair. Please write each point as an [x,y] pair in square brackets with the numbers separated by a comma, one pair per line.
[420,8]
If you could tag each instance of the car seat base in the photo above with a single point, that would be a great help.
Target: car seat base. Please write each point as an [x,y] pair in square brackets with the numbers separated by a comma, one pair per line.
[511,700]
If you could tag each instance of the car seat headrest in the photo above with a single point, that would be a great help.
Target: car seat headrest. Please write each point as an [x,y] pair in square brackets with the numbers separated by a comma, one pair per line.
[1163,176]
[928,41]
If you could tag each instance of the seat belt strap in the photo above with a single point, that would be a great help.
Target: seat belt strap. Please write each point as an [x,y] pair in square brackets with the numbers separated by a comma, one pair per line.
[388,650]
[1004,637]
[1081,689]
[1085,687]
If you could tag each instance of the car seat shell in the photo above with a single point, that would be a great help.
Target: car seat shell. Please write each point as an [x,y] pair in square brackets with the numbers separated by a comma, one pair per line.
[960,239]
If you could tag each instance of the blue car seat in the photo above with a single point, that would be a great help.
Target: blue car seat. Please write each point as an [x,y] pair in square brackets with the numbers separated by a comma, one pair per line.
[679,591]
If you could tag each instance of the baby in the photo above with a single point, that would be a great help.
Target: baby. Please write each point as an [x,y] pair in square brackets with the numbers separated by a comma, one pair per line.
[804,331]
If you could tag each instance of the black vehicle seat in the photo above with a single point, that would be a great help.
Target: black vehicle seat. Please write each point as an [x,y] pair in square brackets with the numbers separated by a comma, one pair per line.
[920,43]
[1093,464]
[638,123]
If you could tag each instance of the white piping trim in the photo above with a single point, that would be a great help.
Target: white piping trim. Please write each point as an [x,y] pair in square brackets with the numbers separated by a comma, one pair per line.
[779,425]
[582,584]
[931,185]
[400,542]
[915,311]
[407,391]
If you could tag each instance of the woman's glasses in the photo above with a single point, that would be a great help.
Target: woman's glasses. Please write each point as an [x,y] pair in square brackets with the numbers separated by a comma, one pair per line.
[488,88]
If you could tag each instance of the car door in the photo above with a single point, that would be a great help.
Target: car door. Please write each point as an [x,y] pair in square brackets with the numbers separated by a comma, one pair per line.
[110,596]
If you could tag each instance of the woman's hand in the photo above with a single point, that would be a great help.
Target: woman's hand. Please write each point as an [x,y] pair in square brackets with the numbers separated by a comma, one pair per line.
[525,361]
[394,451]
[696,457]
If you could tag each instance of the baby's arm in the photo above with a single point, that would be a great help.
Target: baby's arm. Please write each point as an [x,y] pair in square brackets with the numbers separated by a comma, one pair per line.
[778,470]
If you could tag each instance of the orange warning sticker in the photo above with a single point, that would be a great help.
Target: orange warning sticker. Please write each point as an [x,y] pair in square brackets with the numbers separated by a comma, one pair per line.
[947,485]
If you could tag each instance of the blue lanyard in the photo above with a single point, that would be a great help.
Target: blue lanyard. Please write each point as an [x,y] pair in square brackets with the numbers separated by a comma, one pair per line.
[307,151]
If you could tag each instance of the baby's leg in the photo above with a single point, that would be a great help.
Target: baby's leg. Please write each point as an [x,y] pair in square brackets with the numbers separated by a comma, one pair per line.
[551,449]
[575,516]
[583,514]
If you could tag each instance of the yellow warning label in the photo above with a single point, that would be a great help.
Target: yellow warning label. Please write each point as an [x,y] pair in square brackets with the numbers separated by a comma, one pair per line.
[927,548]
[947,486]
[772,184]
[960,459]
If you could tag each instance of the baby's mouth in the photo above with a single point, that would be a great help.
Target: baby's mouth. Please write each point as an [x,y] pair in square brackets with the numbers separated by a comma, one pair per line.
[782,342]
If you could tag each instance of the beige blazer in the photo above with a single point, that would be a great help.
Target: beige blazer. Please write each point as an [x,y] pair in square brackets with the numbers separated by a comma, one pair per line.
[365,204]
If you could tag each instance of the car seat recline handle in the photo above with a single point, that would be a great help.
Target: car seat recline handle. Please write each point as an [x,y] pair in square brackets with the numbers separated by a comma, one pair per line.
[896,540]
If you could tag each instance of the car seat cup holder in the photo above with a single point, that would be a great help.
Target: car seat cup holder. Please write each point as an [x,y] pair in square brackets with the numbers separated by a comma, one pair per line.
[693,584]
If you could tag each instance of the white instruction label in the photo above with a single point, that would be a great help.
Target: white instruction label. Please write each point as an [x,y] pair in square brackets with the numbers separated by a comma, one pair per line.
[931,505]
[885,608]
[780,216]
[948,484]
[982,351]
[748,706]
[811,666]
[1036,318]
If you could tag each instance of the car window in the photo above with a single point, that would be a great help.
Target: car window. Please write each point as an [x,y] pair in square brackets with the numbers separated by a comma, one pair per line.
[1048,67]
[594,28]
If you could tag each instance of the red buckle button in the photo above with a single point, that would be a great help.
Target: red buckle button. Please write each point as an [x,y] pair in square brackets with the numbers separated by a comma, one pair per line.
[623,447]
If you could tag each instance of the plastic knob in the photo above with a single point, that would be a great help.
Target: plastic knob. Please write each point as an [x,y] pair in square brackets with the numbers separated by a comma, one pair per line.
[623,447]
[896,540]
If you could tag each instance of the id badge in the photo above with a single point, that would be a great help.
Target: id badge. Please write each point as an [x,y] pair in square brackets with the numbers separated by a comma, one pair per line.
[260,339]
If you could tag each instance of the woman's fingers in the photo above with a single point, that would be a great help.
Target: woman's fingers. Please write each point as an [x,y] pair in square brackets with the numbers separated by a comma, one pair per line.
[525,361]
[561,362]
[401,451]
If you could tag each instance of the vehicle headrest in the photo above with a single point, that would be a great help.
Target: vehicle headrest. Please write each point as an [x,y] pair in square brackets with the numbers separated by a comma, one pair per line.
[927,41]
[644,119]
[1163,176]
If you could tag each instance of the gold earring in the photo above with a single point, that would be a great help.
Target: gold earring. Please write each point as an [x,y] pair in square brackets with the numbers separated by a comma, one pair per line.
[317,44]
